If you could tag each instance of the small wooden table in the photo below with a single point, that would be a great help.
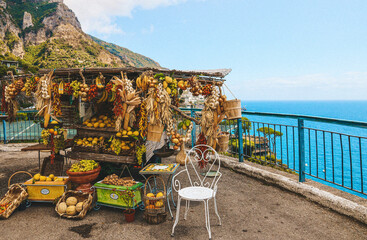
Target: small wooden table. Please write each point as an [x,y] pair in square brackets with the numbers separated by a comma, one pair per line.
[41,147]
[162,169]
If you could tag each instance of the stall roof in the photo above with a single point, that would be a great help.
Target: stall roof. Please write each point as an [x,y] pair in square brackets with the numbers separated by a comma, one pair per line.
[217,73]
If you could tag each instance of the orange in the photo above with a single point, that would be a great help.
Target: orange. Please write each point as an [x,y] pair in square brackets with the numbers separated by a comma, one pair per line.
[51,130]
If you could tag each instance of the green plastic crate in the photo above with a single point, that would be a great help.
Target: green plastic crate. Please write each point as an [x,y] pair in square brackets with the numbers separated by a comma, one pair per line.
[108,194]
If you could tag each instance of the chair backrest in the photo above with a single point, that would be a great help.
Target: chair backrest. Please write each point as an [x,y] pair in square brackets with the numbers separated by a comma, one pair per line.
[203,166]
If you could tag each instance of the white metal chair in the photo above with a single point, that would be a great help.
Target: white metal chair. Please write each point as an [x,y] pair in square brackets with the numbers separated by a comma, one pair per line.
[203,181]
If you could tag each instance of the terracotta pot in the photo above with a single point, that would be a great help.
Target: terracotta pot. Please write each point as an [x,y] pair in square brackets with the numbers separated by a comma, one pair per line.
[181,156]
[84,177]
[129,215]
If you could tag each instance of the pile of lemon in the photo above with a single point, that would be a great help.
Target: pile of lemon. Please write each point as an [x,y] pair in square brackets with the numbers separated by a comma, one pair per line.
[127,133]
[51,178]
[89,142]
[100,122]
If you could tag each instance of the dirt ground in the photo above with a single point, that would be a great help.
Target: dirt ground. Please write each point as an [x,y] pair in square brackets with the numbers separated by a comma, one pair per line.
[249,209]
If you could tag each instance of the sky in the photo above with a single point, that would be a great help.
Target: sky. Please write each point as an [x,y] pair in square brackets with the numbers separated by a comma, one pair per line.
[277,50]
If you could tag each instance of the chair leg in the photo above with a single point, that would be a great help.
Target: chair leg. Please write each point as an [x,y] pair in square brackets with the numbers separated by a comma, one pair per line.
[207,218]
[177,215]
[187,208]
[216,211]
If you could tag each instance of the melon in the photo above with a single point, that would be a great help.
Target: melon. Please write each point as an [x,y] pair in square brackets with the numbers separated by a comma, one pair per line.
[79,206]
[71,211]
[62,207]
[71,201]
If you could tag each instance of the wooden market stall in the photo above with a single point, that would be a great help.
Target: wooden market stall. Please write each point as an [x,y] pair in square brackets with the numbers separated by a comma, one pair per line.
[95,93]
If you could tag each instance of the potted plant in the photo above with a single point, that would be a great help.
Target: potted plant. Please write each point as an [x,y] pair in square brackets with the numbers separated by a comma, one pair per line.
[127,196]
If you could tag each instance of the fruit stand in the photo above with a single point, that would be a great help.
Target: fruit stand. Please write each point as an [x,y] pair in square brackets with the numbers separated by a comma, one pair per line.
[122,116]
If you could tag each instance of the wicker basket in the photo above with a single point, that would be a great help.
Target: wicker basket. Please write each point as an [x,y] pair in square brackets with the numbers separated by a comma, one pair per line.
[82,197]
[232,109]
[223,141]
[149,202]
[155,218]
[15,196]
[155,132]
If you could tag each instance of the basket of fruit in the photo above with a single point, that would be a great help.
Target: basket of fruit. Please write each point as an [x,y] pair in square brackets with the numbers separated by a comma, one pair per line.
[13,198]
[119,147]
[84,171]
[155,198]
[46,188]
[88,144]
[74,204]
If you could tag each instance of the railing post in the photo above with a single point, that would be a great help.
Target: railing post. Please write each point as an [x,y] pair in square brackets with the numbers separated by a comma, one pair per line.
[301,149]
[193,132]
[240,139]
[4,129]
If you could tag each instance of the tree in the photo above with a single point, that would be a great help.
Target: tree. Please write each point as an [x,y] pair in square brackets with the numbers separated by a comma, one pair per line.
[270,134]
[246,125]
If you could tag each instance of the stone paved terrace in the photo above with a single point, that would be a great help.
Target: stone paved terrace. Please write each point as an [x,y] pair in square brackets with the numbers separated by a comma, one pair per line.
[250,209]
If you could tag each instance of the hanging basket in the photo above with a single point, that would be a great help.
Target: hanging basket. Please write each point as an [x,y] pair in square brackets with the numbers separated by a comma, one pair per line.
[232,108]
[14,197]
[223,141]
[155,205]
[155,132]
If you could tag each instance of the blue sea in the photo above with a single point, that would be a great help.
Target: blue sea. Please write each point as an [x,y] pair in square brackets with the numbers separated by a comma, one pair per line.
[328,155]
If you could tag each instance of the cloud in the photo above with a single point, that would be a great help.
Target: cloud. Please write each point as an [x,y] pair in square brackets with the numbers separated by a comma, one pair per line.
[98,16]
[320,86]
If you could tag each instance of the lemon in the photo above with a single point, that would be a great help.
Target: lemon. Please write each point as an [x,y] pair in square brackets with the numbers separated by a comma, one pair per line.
[160,194]
[136,133]
[129,133]
[96,125]
[102,125]
[168,90]
[105,118]
[94,119]
[123,144]
[124,132]
[48,179]
[89,125]
[90,139]
[37,177]
[101,138]
[118,134]
[109,125]
[43,178]
[129,128]
[51,176]
[80,142]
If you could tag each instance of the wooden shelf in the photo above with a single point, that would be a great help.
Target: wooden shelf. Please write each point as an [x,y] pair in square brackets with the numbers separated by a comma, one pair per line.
[101,157]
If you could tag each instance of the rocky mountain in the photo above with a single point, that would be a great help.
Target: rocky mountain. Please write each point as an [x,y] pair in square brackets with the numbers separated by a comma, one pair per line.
[47,34]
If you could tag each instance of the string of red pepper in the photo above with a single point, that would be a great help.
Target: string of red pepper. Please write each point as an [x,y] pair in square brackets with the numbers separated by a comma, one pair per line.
[201,150]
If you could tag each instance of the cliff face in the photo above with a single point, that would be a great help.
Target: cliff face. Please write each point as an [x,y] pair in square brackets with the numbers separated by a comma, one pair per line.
[46,33]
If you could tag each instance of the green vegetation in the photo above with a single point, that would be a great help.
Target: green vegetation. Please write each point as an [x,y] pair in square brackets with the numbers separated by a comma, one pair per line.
[38,10]
[246,124]
[128,57]
[11,39]
[270,134]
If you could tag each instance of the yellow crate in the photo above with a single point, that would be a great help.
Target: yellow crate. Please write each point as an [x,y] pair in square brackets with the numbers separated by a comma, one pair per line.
[46,190]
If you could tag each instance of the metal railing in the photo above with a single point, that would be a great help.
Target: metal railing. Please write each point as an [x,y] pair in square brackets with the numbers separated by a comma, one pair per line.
[323,149]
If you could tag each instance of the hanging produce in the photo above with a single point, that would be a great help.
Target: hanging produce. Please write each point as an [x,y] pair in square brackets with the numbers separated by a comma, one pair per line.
[92,93]
[195,86]
[145,81]
[126,100]
[201,150]
[209,117]
[75,85]
[43,98]
[30,85]
[158,105]
[84,91]
[56,102]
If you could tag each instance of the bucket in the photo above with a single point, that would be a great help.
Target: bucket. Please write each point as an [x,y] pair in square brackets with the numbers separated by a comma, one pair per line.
[223,141]
[232,108]
[155,133]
